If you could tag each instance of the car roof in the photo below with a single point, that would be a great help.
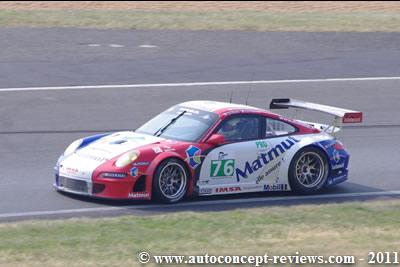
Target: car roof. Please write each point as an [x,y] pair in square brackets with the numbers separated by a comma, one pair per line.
[219,107]
[223,109]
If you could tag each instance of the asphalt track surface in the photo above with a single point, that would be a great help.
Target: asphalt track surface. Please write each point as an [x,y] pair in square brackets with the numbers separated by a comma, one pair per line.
[37,125]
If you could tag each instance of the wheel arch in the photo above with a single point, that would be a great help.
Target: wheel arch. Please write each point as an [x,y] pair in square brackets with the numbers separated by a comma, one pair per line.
[317,146]
[162,157]
[321,148]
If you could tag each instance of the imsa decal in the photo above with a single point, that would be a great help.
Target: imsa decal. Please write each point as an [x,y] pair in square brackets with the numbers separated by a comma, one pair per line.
[228,189]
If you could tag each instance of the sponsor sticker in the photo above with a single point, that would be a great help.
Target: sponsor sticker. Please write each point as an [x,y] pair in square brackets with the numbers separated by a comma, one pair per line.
[228,189]
[338,166]
[336,156]
[222,168]
[168,148]
[352,117]
[139,195]
[275,187]
[222,155]
[261,144]
[265,158]
[71,170]
[134,172]
[203,182]
[252,187]
[157,149]
[205,191]
[113,175]
[261,177]
[193,154]
[142,163]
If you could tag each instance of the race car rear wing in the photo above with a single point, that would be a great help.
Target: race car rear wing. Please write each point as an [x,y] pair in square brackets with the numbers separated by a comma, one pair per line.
[341,115]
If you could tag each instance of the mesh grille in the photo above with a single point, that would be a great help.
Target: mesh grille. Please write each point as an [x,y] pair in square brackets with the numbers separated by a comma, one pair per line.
[73,185]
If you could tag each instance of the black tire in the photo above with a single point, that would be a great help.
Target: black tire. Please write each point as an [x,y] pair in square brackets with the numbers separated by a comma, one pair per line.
[308,171]
[170,181]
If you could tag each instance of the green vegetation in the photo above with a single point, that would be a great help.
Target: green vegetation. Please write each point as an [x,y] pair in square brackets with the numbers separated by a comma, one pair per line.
[348,229]
[190,20]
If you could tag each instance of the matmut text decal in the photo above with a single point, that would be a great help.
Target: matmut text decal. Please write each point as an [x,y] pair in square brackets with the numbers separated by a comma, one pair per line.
[265,158]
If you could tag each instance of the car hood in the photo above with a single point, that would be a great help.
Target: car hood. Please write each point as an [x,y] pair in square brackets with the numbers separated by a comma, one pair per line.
[116,144]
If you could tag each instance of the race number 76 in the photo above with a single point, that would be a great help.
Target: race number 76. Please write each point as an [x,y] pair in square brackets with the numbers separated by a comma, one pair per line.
[220,168]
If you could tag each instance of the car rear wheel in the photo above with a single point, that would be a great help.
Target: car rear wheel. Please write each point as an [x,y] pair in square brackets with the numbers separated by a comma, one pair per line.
[170,181]
[308,171]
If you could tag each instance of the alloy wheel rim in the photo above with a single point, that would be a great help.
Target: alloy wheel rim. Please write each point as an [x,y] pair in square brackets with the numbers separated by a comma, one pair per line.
[310,169]
[172,180]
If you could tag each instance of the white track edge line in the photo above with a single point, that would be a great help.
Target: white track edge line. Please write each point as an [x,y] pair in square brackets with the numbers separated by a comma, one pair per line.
[188,84]
[198,203]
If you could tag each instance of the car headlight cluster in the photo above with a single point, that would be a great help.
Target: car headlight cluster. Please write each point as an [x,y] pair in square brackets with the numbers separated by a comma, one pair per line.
[73,147]
[127,158]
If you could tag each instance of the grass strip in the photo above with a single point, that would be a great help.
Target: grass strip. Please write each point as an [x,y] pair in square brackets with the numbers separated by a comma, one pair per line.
[330,229]
[201,20]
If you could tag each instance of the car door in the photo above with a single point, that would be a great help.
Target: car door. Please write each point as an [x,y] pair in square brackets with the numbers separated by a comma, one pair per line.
[278,140]
[248,162]
[224,167]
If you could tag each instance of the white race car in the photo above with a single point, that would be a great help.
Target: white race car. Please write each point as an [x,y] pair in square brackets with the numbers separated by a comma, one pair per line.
[209,148]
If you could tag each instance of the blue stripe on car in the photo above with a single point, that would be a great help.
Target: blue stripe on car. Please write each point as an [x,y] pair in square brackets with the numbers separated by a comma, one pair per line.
[87,140]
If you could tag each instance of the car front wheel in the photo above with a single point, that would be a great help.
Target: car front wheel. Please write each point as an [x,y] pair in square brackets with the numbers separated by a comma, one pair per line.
[170,181]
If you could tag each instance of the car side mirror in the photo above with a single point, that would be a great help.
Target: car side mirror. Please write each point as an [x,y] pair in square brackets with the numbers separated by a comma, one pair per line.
[216,139]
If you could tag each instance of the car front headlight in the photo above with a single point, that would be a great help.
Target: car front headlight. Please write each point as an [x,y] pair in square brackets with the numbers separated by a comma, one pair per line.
[127,158]
[72,147]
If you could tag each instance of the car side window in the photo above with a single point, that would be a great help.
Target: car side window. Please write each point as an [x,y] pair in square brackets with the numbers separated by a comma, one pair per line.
[277,128]
[240,128]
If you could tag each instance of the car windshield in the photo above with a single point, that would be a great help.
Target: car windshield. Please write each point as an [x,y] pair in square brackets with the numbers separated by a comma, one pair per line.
[180,123]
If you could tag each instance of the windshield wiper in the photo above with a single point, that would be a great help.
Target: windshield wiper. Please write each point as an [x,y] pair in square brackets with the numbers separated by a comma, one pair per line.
[172,121]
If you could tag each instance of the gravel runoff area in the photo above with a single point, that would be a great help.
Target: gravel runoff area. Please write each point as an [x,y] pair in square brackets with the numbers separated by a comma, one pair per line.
[392,6]
[332,16]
